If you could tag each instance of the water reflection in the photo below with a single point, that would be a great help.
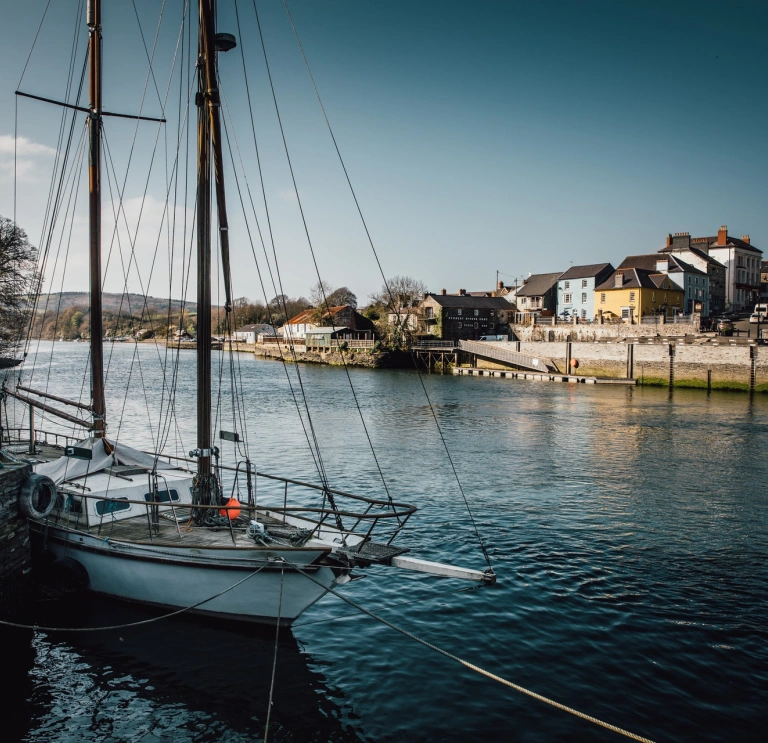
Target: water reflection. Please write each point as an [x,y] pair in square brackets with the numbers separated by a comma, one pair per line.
[177,679]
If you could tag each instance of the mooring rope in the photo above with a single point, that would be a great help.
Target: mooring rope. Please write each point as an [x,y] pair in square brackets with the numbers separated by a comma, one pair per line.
[476,668]
[40,628]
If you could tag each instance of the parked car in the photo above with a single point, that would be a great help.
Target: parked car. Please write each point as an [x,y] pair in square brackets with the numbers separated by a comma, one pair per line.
[725,326]
[756,317]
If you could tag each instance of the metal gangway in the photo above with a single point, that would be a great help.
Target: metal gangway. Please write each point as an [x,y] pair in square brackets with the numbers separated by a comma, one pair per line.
[500,351]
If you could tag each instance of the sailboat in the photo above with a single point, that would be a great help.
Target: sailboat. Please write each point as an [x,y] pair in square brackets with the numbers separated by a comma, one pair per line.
[128,524]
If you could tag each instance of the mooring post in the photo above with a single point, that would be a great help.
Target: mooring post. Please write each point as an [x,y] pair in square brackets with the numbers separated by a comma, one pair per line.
[671,364]
[630,360]
[753,369]
[709,381]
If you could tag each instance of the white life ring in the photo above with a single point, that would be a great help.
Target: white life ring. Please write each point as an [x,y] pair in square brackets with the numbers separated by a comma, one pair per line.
[37,497]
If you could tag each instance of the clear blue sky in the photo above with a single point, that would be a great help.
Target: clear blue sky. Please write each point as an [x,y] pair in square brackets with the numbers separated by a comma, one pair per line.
[479,135]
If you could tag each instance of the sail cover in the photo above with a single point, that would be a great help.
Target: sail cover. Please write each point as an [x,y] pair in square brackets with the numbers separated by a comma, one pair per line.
[67,468]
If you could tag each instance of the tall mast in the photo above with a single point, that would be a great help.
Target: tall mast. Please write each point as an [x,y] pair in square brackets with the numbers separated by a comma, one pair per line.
[93,19]
[207,96]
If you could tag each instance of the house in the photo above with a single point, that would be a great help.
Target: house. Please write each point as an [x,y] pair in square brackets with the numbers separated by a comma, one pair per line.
[538,295]
[250,333]
[631,293]
[694,252]
[693,281]
[463,316]
[576,289]
[325,338]
[343,316]
[742,262]
[406,318]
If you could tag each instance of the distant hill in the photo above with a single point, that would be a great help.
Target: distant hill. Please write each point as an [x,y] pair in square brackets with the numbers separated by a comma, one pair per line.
[112,302]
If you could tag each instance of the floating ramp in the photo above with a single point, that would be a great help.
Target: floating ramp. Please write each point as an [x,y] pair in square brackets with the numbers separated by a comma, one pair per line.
[500,352]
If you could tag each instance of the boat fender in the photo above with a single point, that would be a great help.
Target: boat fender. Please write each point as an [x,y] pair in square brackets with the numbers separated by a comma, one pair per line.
[37,497]
[575,363]
[70,574]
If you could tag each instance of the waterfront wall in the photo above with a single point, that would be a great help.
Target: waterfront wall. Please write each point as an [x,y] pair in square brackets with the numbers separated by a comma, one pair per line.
[15,556]
[362,357]
[686,364]
[594,332]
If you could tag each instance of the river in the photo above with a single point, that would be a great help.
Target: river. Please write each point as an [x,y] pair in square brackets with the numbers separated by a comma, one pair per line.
[628,528]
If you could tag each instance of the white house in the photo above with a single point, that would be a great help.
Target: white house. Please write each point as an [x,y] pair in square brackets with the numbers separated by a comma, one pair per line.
[249,333]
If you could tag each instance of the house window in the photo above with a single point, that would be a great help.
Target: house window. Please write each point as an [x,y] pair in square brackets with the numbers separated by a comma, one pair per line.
[491,313]
[583,283]
[477,325]
[458,312]
[626,312]
[677,299]
[477,312]
[665,298]
[459,325]
[584,314]
[428,311]
[653,296]
[631,296]
[567,284]
[583,297]
[602,298]
[567,298]
[112,506]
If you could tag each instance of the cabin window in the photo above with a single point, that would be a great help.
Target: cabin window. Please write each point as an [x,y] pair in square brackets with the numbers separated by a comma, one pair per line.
[162,496]
[631,296]
[105,507]
[583,297]
[602,298]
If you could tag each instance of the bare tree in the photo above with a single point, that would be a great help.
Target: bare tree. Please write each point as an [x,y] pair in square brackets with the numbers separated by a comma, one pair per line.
[18,278]
[400,292]
[319,293]
[341,296]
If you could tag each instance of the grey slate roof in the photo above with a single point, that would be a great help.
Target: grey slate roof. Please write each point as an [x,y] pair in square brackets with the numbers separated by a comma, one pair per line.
[585,272]
[636,278]
[538,284]
[469,302]
[259,327]
[648,263]
[696,251]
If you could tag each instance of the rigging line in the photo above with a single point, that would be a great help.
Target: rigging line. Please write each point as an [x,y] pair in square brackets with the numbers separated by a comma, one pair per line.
[314,450]
[316,454]
[127,625]
[311,247]
[277,267]
[146,51]
[274,657]
[34,42]
[473,667]
[381,271]
[54,195]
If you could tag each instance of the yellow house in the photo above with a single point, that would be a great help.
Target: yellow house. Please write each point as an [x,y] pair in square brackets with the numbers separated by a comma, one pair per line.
[635,292]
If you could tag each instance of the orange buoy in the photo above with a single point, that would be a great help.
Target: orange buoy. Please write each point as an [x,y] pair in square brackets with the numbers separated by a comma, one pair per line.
[575,363]
[231,510]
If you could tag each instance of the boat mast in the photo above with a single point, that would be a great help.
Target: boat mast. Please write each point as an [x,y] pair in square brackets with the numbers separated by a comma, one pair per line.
[93,19]
[207,97]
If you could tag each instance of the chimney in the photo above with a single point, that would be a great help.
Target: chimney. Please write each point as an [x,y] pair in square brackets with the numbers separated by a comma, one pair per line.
[662,265]
[443,292]
[462,292]
[745,238]
[618,280]
[681,240]
[722,235]
[669,240]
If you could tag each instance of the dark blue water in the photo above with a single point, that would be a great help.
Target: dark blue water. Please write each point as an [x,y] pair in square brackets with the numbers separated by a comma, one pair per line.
[628,528]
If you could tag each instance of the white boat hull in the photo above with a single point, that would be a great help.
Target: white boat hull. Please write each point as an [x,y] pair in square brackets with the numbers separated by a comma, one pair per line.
[178,577]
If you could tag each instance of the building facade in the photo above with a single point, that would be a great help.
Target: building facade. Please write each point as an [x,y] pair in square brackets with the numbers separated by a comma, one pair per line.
[463,316]
[576,290]
[537,296]
[632,293]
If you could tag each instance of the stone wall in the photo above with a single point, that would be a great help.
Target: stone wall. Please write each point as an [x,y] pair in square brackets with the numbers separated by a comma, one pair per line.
[15,557]
[719,366]
[595,332]
[362,357]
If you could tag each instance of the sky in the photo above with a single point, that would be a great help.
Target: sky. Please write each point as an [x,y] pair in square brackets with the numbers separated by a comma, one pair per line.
[520,137]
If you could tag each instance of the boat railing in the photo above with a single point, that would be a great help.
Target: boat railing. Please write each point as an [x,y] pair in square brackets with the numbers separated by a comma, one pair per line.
[41,437]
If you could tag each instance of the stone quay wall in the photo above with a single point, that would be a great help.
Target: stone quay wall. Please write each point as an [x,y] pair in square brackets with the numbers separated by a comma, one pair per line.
[362,357]
[595,332]
[15,555]
[740,366]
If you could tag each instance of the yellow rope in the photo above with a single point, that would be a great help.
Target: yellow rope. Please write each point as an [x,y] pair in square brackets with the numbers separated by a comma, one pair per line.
[482,671]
